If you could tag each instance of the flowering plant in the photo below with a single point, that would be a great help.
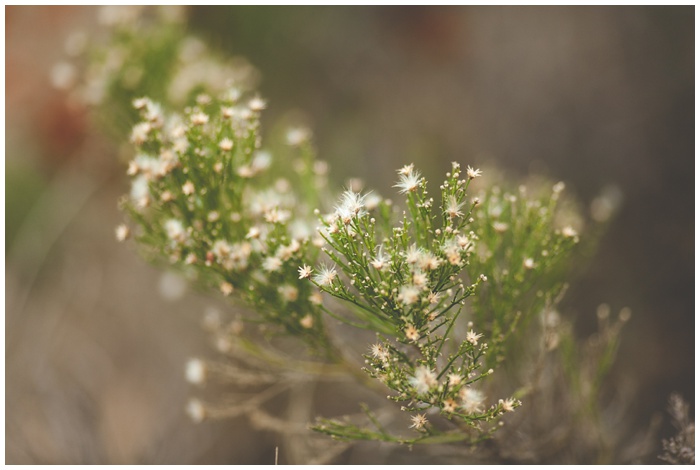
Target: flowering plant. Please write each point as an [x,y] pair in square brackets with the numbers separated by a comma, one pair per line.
[444,300]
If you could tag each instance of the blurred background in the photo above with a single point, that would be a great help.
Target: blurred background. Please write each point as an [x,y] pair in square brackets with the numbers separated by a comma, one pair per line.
[96,339]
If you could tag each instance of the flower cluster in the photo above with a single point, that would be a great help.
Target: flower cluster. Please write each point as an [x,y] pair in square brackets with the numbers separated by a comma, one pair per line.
[526,242]
[147,53]
[203,199]
[403,274]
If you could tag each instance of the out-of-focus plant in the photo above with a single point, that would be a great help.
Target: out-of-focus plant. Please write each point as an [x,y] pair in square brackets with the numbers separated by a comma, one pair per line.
[680,449]
[449,303]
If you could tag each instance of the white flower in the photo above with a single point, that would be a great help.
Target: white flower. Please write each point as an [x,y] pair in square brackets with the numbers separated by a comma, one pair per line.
[257,104]
[473,337]
[285,252]
[195,410]
[433,297]
[140,103]
[188,188]
[449,405]
[380,261]
[325,276]
[454,379]
[122,232]
[261,161]
[471,399]
[428,262]
[195,371]
[305,272]
[297,136]
[406,170]
[226,144]
[419,279]
[419,421]
[423,380]
[226,288]
[139,134]
[307,321]
[221,249]
[472,173]
[413,254]
[508,404]
[569,232]
[175,230]
[351,205]
[463,241]
[379,352]
[408,181]
[453,208]
[408,295]
[528,263]
[412,333]
[253,233]
[272,264]
[199,119]
[500,227]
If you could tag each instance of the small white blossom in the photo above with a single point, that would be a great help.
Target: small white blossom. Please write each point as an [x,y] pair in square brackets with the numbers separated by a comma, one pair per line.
[413,255]
[569,232]
[195,371]
[326,276]
[272,264]
[428,262]
[408,295]
[454,380]
[473,173]
[378,352]
[307,321]
[226,288]
[257,104]
[195,410]
[122,232]
[175,230]
[419,279]
[473,337]
[471,399]
[352,205]
[297,136]
[381,261]
[305,272]
[188,188]
[140,103]
[423,380]
[412,333]
[433,297]
[199,119]
[500,227]
[453,208]
[508,404]
[449,405]
[418,421]
[139,134]
[408,182]
[226,144]
[406,170]
[253,233]
[528,263]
